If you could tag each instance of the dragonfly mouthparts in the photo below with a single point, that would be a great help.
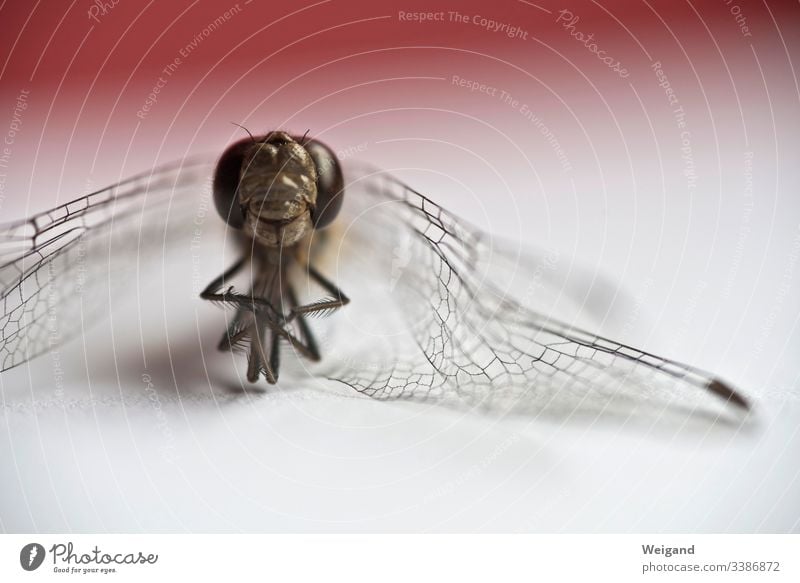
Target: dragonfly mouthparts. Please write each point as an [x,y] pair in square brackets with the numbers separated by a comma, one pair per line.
[281,208]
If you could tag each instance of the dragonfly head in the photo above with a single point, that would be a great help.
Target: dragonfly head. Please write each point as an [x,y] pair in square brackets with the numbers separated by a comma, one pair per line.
[278,188]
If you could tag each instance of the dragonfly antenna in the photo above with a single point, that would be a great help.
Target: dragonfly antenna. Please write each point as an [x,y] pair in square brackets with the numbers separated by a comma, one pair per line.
[245,129]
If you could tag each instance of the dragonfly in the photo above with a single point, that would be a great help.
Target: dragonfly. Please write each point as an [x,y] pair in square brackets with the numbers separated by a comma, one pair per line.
[440,328]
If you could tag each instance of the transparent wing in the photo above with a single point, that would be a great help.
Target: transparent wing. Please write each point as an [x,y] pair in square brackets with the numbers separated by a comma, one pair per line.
[434,317]
[60,268]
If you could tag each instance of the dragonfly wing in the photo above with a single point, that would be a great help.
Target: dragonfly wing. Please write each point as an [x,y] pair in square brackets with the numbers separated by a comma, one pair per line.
[60,268]
[434,318]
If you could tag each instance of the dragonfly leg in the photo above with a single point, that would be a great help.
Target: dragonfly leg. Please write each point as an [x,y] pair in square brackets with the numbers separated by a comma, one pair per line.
[312,350]
[255,358]
[328,305]
[236,333]
[265,319]
[258,362]
[214,293]
[271,368]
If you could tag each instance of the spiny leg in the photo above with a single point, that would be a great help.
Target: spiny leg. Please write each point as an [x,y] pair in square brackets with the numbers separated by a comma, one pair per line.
[307,346]
[248,302]
[305,331]
[255,359]
[238,329]
[268,287]
[259,363]
[236,332]
[219,282]
[307,351]
[264,316]
[271,366]
[271,371]
[339,299]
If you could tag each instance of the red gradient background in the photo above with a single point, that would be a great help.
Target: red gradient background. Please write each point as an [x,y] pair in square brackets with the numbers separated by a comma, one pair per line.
[318,65]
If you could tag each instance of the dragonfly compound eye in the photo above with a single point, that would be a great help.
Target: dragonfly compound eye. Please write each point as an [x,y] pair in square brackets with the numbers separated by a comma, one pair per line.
[226,183]
[330,183]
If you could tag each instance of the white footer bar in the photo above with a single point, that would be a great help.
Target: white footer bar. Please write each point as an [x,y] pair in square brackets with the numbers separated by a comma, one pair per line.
[354,558]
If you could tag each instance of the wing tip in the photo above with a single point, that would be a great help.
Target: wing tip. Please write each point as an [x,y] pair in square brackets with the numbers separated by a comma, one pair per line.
[728,393]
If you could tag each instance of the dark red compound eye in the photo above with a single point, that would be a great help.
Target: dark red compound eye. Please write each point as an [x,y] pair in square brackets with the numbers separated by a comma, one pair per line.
[226,183]
[330,183]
